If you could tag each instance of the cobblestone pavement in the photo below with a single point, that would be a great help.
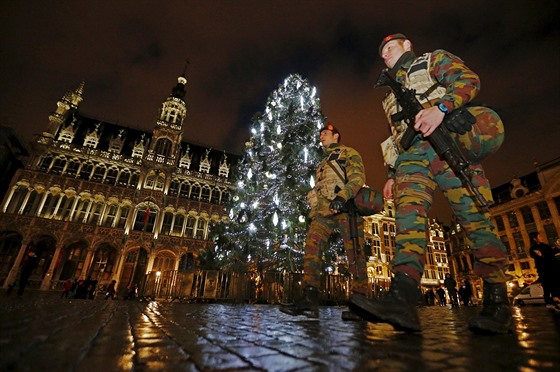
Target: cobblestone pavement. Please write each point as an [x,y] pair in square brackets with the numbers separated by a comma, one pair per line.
[41,332]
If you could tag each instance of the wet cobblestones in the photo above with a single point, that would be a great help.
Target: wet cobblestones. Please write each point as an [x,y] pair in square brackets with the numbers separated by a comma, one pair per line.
[43,332]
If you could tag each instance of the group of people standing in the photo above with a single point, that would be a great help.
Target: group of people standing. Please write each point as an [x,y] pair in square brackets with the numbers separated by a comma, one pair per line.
[445,89]
[449,288]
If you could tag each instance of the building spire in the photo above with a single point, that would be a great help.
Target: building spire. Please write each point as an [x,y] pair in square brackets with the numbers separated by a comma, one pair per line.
[179,89]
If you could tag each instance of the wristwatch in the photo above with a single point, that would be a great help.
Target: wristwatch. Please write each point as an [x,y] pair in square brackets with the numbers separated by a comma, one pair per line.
[442,108]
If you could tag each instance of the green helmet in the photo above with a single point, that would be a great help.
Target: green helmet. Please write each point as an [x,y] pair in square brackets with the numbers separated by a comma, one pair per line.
[485,138]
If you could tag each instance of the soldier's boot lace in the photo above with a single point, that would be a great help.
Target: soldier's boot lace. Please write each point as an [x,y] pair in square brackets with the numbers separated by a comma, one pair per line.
[397,307]
[495,316]
[308,305]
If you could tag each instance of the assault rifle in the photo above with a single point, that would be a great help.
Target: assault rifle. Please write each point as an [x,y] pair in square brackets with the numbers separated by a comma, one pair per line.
[440,139]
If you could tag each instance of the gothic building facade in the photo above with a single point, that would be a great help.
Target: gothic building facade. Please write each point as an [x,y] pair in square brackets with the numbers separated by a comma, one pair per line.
[530,203]
[100,200]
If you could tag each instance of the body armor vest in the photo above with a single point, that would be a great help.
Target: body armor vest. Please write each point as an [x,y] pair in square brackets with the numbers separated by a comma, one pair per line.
[330,175]
[428,91]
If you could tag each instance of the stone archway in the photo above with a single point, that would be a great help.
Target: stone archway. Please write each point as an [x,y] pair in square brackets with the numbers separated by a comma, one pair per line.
[134,267]
[72,260]
[10,245]
[104,264]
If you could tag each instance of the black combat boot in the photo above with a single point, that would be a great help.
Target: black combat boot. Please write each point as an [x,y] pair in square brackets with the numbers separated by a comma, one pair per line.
[495,316]
[308,305]
[397,307]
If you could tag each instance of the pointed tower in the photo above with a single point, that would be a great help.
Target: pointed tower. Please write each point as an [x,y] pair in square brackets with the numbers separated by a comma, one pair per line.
[65,107]
[168,132]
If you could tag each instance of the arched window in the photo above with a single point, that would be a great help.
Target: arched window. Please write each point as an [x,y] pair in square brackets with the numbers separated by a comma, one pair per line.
[72,168]
[215,196]
[18,197]
[174,187]
[112,174]
[145,218]
[134,179]
[45,163]
[123,216]
[65,207]
[82,210]
[32,204]
[124,177]
[164,261]
[150,181]
[58,165]
[160,182]
[178,225]
[99,173]
[205,193]
[189,230]
[167,223]
[201,228]
[86,171]
[50,205]
[195,192]
[163,147]
[110,215]
[185,189]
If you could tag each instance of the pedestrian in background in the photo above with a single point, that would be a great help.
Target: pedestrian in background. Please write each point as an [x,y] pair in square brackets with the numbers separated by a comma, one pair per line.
[66,289]
[451,286]
[441,296]
[111,290]
[444,86]
[465,292]
[548,269]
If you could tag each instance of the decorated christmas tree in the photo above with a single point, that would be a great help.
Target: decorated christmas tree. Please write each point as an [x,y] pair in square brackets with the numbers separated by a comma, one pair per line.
[268,211]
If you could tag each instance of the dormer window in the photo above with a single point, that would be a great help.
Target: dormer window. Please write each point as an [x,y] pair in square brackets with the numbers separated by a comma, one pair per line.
[223,171]
[205,163]
[67,134]
[116,143]
[186,159]
[92,138]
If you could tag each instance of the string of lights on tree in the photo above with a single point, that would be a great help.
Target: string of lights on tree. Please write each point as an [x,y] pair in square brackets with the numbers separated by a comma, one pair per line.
[268,210]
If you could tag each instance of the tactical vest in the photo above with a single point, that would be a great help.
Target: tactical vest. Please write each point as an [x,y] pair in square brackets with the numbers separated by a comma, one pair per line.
[484,139]
[330,175]
[427,90]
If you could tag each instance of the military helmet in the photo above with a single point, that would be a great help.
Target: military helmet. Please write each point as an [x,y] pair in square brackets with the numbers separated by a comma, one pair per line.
[486,136]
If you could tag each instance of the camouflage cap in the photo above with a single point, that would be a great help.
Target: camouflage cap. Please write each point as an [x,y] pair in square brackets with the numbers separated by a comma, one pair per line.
[388,38]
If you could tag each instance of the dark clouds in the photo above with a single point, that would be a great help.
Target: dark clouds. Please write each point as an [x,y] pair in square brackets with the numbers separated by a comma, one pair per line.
[130,53]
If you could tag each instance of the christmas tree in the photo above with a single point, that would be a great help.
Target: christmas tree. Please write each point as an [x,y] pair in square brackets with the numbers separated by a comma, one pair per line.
[268,210]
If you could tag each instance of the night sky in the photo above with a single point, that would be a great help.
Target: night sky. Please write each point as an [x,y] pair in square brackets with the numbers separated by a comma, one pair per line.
[130,53]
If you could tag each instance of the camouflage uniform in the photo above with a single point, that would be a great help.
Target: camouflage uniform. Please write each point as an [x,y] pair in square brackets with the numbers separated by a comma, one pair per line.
[341,163]
[418,171]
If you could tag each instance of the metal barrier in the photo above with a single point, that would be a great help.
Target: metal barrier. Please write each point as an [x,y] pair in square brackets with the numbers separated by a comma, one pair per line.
[212,285]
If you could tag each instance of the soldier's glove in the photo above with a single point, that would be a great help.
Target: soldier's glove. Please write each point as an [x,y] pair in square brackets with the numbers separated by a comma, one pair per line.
[460,121]
[337,204]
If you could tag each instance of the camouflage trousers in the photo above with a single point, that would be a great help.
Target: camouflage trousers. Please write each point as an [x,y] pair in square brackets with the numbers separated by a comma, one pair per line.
[318,235]
[419,171]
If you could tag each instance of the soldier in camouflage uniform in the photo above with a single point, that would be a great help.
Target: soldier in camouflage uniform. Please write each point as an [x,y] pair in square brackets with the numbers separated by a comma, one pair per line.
[444,85]
[338,178]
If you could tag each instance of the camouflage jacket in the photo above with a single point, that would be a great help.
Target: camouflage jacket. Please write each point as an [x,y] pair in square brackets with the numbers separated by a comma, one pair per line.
[340,173]
[455,85]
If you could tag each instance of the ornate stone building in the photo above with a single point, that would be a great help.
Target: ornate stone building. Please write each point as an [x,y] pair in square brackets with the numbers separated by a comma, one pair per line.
[526,204]
[380,236]
[100,200]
